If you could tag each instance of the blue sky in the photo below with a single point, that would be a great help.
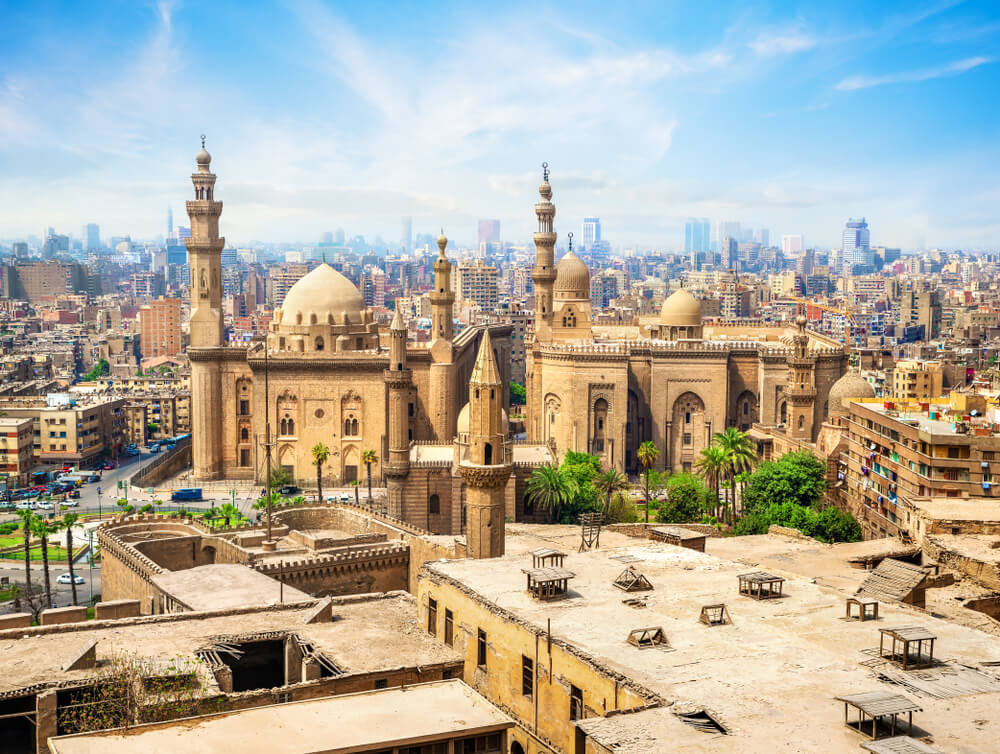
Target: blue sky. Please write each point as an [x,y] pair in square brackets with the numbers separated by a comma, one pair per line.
[319,115]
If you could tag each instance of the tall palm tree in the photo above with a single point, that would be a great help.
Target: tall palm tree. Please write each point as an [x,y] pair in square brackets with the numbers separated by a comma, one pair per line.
[68,522]
[357,487]
[740,456]
[647,453]
[608,484]
[320,454]
[368,457]
[549,489]
[42,529]
[27,518]
[711,464]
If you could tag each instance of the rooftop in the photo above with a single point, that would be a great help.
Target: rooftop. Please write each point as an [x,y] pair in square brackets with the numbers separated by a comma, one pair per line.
[771,675]
[391,718]
[223,586]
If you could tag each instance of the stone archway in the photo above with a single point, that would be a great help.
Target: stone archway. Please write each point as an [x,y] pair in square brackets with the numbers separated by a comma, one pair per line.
[747,410]
[689,430]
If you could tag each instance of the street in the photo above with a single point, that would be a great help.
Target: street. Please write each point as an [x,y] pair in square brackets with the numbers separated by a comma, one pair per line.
[62,594]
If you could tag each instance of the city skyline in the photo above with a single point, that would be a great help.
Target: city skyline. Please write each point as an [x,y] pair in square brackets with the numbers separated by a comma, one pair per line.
[791,120]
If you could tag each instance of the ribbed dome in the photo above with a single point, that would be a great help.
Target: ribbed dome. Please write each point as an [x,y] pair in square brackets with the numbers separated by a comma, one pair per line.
[464,418]
[849,387]
[681,309]
[322,291]
[572,277]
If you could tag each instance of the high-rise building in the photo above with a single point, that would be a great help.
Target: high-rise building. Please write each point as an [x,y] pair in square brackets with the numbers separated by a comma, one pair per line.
[91,236]
[763,237]
[730,252]
[857,250]
[806,263]
[160,328]
[489,232]
[170,221]
[327,237]
[729,228]
[406,237]
[477,281]
[183,233]
[697,235]
[791,244]
[591,232]
[338,236]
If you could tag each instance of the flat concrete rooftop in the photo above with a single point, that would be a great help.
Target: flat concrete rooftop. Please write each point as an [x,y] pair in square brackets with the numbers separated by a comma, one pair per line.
[385,719]
[369,633]
[224,586]
[769,678]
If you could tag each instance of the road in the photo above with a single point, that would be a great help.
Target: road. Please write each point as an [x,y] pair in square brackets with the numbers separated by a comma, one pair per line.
[62,594]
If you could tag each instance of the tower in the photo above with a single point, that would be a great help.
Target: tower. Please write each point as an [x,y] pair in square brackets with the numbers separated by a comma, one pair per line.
[544,272]
[398,380]
[205,256]
[801,387]
[442,389]
[488,466]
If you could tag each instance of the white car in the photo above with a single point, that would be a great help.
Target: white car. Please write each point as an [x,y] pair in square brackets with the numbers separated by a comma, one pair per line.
[70,503]
[66,579]
[45,506]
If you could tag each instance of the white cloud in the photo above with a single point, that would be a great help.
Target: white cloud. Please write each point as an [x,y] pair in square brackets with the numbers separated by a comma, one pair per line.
[926,74]
[782,42]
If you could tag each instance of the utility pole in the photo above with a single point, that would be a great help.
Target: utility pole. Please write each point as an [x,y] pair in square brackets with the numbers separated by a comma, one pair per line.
[91,553]
[269,543]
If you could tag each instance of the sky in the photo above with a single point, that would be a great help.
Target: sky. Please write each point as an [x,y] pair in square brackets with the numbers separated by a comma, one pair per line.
[791,117]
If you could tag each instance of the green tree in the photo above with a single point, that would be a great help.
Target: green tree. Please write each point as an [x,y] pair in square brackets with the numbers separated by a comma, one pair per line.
[101,368]
[711,464]
[797,477]
[356,484]
[280,477]
[518,395]
[647,453]
[548,489]
[687,500]
[229,512]
[320,454]
[152,428]
[740,457]
[41,528]
[369,457]
[67,523]
[27,519]
[609,483]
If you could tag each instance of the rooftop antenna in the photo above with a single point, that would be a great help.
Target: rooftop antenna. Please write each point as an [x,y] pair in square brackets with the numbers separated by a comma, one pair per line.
[545,171]
[203,141]
[570,236]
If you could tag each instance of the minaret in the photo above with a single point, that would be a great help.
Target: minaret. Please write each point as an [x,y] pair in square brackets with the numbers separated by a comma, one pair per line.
[544,271]
[205,259]
[488,466]
[801,387]
[398,380]
[442,389]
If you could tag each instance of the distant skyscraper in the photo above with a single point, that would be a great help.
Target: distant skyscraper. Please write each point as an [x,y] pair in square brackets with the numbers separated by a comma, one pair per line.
[489,231]
[591,231]
[791,244]
[91,236]
[170,221]
[764,237]
[338,236]
[327,237]
[857,243]
[729,228]
[730,252]
[697,235]
[183,232]
[406,238]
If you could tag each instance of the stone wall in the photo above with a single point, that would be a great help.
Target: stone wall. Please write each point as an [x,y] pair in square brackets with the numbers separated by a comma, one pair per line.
[642,529]
[982,572]
[164,466]
[353,570]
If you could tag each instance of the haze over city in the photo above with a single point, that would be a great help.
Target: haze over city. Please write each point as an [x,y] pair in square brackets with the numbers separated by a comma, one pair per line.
[789,117]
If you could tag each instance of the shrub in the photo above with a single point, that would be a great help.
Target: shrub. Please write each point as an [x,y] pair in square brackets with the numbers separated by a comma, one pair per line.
[147,508]
[687,500]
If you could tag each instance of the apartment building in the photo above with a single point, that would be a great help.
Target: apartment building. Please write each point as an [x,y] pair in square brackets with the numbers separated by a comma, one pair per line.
[917,380]
[16,435]
[69,431]
[474,280]
[160,328]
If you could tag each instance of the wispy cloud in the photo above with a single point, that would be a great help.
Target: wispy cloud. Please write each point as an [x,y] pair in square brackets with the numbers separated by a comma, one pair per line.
[783,42]
[924,74]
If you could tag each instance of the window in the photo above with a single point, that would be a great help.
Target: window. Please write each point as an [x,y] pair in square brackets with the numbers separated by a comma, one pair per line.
[449,628]
[952,452]
[527,676]
[686,439]
[381,683]
[687,417]
[575,703]
[434,504]
[244,434]
[244,407]
[479,745]
[432,616]
[410,408]
[481,648]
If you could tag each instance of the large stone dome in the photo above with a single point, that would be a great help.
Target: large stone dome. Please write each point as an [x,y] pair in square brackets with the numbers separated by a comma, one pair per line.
[681,309]
[849,387]
[323,296]
[572,278]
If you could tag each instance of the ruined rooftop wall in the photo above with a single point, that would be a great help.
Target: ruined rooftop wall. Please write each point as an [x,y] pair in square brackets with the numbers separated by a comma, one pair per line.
[984,573]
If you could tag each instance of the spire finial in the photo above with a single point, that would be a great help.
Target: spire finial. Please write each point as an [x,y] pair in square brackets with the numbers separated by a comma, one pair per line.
[570,236]
[545,171]
[203,141]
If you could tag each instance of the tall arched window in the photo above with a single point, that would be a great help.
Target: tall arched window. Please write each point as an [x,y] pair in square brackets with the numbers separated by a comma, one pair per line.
[487,454]
[319,344]
[433,504]
[284,426]
[244,433]
[354,427]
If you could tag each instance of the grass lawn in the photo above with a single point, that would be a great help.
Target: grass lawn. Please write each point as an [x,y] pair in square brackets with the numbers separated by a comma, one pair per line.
[55,553]
[10,541]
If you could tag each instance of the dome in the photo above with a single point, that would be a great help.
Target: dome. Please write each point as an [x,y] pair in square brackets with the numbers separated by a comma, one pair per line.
[323,291]
[572,277]
[203,158]
[851,386]
[462,425]
[681,309]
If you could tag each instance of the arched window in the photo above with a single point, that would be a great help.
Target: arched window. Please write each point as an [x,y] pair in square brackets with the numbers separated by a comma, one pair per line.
[291,426]
[802,421]
[783,413]
[347,427]
[491,393]
[487,454]
[284,426]
[244,434]
[354,428]
[687,417]
[433,504]
[319,344]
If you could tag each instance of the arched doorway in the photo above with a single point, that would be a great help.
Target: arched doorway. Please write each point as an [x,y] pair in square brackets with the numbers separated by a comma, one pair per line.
[746,410]
[688,431]
[516,748]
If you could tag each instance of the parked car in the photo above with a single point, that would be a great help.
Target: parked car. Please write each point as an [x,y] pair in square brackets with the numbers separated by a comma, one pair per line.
[288,489]
[75,494]
[46,506]
[344,497]
[109,465]
[94,478]
[65,578]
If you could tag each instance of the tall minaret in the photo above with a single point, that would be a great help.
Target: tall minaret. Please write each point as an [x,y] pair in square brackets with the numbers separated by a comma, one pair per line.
[544,271]
[488,466]
[205,259]
[801,387]
[398,380]
[442,389]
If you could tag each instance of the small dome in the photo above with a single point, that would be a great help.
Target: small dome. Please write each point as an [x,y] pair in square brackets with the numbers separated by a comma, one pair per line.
[323,291]
[203,158]
[462,425]
[681,309]
[572,277]
[849,387]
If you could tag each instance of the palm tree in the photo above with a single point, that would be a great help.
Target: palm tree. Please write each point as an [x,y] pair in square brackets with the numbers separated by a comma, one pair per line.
[320,454]
[27,519]
[42,529]
[647,453]
[608,484]
[229,512]
[549,489]
[368,457]
[357,486]
[68,521]
[740,456]
[711,464]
